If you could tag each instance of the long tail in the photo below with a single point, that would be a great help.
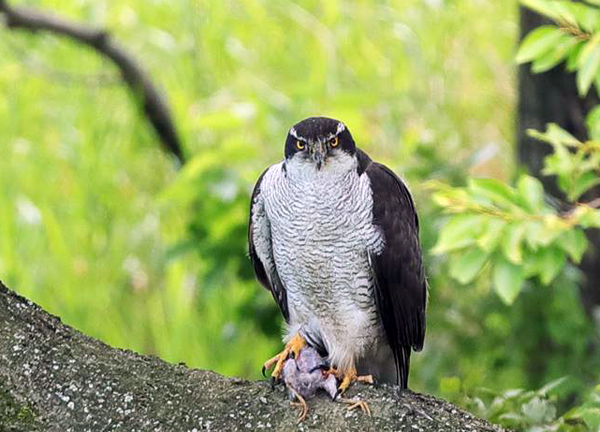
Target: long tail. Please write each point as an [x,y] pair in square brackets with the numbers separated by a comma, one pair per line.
[402,358]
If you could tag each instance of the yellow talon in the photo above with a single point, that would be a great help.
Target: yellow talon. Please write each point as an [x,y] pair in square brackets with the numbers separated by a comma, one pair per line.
[332,371]
[350,377]
[355,403]
[294,346]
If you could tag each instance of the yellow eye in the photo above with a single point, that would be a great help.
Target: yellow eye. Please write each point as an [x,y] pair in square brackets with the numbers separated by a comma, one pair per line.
[300,145]
[334,142]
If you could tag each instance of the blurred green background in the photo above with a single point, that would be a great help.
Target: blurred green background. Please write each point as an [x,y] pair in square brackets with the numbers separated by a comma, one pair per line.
[99,227]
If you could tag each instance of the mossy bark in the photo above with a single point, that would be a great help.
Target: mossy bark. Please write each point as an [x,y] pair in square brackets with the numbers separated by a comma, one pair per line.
[53,378]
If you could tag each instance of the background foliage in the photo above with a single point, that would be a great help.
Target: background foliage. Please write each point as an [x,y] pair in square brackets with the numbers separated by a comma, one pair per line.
[101,229]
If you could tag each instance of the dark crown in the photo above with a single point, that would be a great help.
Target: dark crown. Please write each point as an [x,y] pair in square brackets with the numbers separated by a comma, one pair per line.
[314,128]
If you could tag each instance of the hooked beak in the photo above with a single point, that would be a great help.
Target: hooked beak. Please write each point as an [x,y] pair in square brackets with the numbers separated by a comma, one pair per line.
[317,151]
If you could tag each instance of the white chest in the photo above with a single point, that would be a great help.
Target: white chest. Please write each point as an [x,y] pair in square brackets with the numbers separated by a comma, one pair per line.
[322,232]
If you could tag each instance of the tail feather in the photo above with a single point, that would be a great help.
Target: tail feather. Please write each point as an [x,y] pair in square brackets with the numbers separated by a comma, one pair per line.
[403,366]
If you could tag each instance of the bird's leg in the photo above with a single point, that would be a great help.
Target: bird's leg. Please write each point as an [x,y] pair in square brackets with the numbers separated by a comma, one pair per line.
[332,371]
[348,377]
[356,403]
[301,403]
[294,346]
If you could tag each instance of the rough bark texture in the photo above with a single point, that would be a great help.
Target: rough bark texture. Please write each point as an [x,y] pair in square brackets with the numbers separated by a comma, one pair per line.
[552,97]
[53,378]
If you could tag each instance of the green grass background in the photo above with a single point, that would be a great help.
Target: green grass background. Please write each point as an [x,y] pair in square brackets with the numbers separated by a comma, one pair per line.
[99,226]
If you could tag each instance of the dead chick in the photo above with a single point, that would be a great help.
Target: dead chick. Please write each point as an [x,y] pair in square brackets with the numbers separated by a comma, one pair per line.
[308,372]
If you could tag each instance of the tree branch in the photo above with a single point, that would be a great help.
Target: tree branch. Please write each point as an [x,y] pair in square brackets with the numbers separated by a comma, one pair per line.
[154,104]
[53,378]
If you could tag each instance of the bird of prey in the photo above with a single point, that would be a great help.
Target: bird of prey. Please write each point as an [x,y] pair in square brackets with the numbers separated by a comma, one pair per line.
[334,236]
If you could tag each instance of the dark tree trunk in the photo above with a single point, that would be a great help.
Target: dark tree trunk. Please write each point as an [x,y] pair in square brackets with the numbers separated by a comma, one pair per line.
[552,97]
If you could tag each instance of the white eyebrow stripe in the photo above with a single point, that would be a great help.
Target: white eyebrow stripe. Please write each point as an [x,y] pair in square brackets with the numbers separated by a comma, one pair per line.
[340,128]
[294,133]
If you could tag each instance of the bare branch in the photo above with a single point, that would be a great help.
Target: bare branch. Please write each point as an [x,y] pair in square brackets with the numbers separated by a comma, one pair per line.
[153,102]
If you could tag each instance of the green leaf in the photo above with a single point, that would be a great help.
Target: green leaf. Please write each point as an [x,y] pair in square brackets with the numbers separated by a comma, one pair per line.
[508,279]
[552,227]
[556,55]
[532,233]
[552,385]
[539,410]
[494,190]
[573,57]
[565,11]
[466,265]
[532,191]
[553,263]
[546,263]
[555,135]
[589,218]
[559,163]
[543,7]
[538,42]
[590,415]
[512,393]
[573,242]
[587,18]
[582,184]
[511,243]
[589,63]
[447,196]
[460,231]
[492,235]
[593,119]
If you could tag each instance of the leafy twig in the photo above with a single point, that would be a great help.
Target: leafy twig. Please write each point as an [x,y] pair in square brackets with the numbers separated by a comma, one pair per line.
[574,30]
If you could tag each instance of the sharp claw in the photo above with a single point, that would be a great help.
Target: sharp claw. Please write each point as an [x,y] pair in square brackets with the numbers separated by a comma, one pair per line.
[301,403]
[337,393]
[291,350]
[356,403]
[302,415]
[320,367]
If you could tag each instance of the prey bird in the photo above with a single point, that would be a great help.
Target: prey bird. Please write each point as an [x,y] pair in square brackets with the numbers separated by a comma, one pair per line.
[307,373]
[334,236]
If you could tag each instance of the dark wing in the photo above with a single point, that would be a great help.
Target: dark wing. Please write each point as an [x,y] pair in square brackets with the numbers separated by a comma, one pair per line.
[260,250]
[401,290]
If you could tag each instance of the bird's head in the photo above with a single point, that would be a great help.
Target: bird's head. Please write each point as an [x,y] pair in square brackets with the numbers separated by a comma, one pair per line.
[319,140]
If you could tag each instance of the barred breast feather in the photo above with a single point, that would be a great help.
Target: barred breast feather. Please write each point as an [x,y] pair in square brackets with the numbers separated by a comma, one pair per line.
[321,233]
[338,248]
